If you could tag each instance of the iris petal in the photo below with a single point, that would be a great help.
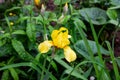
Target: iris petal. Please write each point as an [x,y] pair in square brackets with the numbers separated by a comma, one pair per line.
[45,46]
[69,54]
[60,37]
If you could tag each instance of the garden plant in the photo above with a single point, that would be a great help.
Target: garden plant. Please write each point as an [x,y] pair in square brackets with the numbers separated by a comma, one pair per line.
[59,40]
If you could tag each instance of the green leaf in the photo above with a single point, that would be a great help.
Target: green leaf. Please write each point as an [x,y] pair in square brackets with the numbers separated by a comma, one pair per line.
[112,14]
[114,22]
[115,7]
[2,42]
[103,75]
[5,49]
[80,23]
[96,15]
[21,32]
[69,68]
[82,49]
[11,9]
[31,32]
[95,1]
[21,64]
[18,46]
[58,2]
[5,75]
[115,2]
[50,28]
[118,61]
[14,73]
[6,35]
[53,64]
[19,71]
[88,72]
[64,20]
[75,74]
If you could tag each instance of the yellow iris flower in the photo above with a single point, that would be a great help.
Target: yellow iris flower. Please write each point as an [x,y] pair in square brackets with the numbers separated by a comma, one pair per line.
[60,40]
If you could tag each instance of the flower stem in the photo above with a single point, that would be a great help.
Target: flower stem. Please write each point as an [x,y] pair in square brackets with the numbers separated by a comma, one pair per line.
[60,5]
[42,74]
[45,30]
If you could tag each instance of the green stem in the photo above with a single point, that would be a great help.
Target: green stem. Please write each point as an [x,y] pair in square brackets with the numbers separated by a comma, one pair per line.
[51,59]
[101,31]
[43,70]
[60,5]
[113,61]
[45,30]
[84,62]
[113,40]
[89,49]
[98,47]
[96,40]
[10,27]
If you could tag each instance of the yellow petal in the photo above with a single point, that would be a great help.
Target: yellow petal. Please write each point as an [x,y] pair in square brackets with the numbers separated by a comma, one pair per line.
[54,34]
[60,37]
[45,46]
[69,54]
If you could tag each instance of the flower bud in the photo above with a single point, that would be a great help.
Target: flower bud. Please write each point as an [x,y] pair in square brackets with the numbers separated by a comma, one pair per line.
[11,23]
[65,8]
[42,9]
[11,14]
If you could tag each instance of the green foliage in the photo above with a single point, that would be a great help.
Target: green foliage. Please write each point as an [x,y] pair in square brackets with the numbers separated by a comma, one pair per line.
[97,16]
[115,2]
[90,23]
[81,48]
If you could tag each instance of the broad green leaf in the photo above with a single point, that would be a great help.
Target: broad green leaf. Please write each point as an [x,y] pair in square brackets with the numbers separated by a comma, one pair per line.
[31,32]
[97,15]
[18,46]
[114,22]
[21,32]
[14,73]
[112,14]
[81,48]
[115,2]
[115,7]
